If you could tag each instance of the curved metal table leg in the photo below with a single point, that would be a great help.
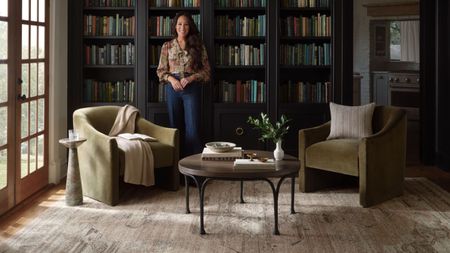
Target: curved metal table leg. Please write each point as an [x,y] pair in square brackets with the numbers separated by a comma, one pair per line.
[242,191]
[292,194]
[202,195]
[186,187]
[275,206]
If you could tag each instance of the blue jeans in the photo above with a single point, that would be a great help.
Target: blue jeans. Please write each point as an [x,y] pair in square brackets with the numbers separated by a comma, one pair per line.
[184,114]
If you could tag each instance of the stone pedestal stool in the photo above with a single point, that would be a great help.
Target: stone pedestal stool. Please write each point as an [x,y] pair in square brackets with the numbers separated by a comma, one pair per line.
[74,192]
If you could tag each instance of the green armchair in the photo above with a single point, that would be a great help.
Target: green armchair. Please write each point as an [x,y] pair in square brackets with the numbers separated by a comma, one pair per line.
[101,161]
[378,160]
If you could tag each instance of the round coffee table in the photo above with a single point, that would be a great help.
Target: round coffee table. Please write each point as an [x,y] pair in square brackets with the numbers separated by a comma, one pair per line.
[202,171]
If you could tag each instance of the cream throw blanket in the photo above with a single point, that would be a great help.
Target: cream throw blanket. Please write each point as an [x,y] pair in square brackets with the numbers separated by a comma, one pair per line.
[139,163]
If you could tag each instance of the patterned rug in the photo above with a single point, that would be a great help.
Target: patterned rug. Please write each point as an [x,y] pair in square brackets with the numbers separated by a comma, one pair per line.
[327,221]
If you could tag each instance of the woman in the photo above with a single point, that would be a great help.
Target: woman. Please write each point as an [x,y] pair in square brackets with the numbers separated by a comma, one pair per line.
[184,65]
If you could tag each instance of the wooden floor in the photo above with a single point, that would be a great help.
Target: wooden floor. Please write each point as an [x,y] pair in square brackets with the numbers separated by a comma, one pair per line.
[31,208]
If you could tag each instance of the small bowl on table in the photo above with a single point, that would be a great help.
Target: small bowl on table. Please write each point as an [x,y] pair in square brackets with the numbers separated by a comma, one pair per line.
[220,146]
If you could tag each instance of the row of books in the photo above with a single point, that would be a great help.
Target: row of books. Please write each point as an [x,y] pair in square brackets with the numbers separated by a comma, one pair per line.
[250,91]
[174,3]
[108,91]
[240,26]
[162,25]
[319,25]
[110,54]
[157,92]
[109,25]
[240,55]
[240,3]
[154,53]
[306,92]
[305,3]
[305,54]
[109,3]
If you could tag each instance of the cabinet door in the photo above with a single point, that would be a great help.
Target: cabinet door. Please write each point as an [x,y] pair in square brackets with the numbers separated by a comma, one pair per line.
[381,89]
[303,116]
[231,125]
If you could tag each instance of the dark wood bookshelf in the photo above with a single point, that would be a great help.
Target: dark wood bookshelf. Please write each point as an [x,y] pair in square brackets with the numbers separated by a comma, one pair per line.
[304,9]
[240,67]
[109,9]
[158,10]
[108,37]
[240,39]
[308,67]
[241,9]
[305,38]
[221,119]
[109,66]
[164,38]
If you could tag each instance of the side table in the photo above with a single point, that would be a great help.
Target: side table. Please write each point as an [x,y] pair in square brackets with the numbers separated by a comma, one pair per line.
[74,192]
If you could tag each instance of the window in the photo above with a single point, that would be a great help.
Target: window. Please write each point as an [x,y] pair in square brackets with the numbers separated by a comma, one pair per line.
[395,40]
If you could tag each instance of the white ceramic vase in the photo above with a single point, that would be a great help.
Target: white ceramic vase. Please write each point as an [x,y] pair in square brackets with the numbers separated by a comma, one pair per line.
[278,153]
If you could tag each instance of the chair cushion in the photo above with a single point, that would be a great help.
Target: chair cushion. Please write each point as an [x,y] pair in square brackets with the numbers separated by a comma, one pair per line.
[340,155]
[162,153]
[351,121]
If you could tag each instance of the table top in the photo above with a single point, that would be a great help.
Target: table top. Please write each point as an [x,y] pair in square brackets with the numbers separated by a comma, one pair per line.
[194,165]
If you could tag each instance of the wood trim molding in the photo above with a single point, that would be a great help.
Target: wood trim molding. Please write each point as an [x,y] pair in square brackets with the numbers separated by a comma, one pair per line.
[392,9]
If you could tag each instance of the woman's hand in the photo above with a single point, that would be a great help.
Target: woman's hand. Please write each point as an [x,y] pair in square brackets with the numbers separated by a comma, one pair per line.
[185,81]
[176,85]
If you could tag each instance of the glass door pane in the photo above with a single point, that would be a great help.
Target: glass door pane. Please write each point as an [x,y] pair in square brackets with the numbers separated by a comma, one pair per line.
[31,109]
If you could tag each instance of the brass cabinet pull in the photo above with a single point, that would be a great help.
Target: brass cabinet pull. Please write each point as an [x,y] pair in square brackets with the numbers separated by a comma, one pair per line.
[239,131]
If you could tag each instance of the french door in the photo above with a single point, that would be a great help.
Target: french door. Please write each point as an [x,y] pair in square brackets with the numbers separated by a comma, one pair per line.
[23,99]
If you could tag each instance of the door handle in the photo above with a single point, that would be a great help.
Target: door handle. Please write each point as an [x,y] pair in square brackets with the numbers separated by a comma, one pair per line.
[21,97]
[19,81]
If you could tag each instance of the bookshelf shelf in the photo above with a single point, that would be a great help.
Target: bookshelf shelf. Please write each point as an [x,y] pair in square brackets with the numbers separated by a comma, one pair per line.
[304,10]
[164,38]
[242,9]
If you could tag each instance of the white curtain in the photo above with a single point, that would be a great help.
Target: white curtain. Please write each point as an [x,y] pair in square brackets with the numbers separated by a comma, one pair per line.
[409,41]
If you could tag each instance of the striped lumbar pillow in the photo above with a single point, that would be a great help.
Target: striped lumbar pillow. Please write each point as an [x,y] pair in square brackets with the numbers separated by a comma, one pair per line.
[351,121]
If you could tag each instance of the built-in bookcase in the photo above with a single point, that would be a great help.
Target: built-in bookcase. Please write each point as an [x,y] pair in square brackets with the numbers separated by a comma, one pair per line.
[305,51]
[278,57]
[240,30]
[109,52]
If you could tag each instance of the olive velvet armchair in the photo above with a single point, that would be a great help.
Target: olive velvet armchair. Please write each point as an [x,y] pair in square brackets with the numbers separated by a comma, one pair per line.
[377,160]
[100,159]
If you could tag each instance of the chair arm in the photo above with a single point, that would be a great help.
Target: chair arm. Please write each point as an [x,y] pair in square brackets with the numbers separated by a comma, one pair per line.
[382,158]
[168,136]
[309,136]
[99,162]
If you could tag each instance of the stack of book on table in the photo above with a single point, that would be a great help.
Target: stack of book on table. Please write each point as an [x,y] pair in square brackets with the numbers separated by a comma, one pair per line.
[245,164]
[231,155]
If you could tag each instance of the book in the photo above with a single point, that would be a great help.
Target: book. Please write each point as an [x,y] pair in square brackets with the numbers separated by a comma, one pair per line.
[208,154]
[242,164]
[137,136]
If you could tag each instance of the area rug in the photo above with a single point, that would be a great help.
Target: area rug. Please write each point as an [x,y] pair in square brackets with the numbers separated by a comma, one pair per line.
[326,221]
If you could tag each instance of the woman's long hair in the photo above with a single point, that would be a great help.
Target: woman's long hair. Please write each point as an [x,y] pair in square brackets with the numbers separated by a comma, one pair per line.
[194,44]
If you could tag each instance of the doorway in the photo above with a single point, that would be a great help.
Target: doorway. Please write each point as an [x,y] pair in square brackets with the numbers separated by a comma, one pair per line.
[23,99]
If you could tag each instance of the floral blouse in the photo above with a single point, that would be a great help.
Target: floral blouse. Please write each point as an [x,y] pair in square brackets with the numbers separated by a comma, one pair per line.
[176,60]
